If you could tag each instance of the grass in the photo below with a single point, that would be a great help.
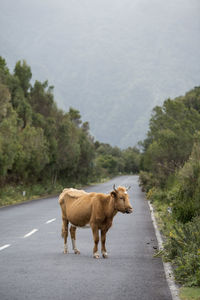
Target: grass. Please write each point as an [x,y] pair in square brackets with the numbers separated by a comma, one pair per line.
[189,293]
[165,225]
[163,218]
[13,194]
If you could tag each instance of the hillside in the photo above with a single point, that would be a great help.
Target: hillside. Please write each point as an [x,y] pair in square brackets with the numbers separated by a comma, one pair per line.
[113,60]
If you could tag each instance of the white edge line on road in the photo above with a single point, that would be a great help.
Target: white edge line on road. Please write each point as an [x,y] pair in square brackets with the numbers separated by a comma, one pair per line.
[167,266]
[50,221]
[4,247]
[30,233]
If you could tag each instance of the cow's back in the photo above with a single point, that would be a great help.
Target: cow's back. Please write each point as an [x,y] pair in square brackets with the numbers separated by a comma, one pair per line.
[76,206]
[70,193]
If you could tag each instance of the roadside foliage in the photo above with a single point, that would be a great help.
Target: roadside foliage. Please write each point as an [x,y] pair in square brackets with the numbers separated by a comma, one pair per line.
[170,175]
[42,148]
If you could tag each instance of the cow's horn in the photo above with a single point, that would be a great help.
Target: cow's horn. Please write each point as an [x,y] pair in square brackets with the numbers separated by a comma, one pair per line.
[114,188]
[128,188]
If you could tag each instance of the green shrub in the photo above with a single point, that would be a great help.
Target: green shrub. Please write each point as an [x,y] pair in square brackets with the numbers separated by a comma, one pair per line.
[185,208]
[163,196]
[186,204]
[147,181]
[183,249]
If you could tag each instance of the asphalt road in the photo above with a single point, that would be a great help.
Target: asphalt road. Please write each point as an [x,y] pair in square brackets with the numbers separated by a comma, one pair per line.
[33,266]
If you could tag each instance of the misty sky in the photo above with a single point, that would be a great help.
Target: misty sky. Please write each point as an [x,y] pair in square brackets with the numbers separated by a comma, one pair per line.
[113,60]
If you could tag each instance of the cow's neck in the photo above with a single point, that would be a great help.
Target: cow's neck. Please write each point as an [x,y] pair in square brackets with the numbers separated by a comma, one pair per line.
[111,211]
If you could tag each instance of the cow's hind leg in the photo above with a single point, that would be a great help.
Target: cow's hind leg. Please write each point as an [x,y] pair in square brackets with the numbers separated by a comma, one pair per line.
[96,241]
[73,238]
[65,233]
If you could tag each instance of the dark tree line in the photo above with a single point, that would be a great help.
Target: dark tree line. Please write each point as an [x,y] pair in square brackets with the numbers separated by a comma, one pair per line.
[171,178]
[39,141]
[173,130]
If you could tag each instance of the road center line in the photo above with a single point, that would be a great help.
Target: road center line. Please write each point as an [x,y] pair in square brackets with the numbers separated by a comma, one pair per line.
[50,221]
[30,233]
[4,247]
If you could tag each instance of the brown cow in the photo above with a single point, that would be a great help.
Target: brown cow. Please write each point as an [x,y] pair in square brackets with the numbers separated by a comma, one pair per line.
[96,209]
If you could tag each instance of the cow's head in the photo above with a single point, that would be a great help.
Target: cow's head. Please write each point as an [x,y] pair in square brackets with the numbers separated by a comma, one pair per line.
[121,200]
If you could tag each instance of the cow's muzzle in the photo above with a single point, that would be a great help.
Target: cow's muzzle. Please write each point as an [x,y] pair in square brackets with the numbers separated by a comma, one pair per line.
[129,211]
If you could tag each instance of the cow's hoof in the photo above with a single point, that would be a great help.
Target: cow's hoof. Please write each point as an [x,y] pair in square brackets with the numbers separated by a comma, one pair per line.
[105,255]
[77,251]
[65,251]
[96,255]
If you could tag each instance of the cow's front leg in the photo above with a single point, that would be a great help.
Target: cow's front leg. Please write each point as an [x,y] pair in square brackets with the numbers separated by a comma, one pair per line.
[103,243]
[73,238]
[95,232]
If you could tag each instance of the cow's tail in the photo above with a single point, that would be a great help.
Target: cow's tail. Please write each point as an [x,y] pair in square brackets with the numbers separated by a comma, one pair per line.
[65,222]
[62,233]
[61,198]
[64,227]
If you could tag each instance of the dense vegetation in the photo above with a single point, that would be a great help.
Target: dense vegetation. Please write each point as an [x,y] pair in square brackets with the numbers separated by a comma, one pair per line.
[171,178]
[43,148]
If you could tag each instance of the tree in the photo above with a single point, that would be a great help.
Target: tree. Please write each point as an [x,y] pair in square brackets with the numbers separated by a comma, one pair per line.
[86,156]
[9,144]
[75,117]
[131,157]
[4,101]
[68,149]
[186,205]
[23,72]
[192,99]
[32,155]
[170,138]
[4,72]
[41,99]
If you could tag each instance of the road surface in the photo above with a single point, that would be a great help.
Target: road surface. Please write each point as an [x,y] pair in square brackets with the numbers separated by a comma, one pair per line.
[32,265]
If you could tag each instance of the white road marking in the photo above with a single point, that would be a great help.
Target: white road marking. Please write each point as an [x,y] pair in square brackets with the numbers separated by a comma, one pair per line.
[4,247]
[50,221]
[167,266]
[30,233]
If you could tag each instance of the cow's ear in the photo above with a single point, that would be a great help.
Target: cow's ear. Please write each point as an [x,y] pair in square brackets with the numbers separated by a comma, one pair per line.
[113,194]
